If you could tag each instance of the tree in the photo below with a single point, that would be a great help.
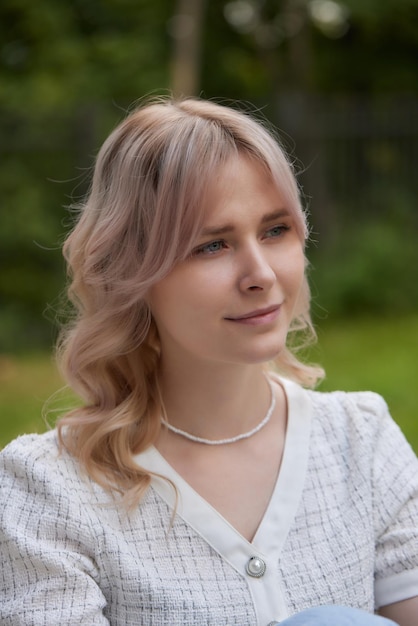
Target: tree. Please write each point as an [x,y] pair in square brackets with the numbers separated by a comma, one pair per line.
[185,27]
[69,71]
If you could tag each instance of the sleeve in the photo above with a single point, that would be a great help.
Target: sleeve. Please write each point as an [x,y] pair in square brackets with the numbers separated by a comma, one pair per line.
[48,574]
[395,494]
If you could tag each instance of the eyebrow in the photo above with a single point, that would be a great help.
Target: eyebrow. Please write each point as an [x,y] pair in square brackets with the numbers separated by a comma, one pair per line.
[227,228]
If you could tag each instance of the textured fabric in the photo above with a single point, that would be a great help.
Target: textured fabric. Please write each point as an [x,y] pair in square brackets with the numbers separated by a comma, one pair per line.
[70,555]
[335,616]
[358,519]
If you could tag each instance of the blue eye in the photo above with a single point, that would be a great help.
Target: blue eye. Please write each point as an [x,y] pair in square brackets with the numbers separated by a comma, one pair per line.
[276,231]
[210,248]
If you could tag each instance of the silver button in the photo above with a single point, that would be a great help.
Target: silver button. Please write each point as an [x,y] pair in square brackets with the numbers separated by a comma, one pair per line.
[255,567]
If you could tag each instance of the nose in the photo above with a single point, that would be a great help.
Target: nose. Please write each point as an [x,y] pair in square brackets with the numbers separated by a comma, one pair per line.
[255,269]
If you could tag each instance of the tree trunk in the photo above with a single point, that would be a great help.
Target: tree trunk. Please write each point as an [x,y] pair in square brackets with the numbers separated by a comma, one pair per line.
[186,28]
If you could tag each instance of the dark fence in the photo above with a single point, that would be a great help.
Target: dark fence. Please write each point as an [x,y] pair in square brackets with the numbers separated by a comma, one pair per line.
[359,161]
[359,155]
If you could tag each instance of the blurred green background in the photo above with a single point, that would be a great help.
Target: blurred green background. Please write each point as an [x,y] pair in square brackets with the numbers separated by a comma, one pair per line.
[338,79]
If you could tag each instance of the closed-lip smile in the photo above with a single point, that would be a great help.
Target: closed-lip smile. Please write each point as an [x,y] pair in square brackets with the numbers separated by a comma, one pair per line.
[257,316]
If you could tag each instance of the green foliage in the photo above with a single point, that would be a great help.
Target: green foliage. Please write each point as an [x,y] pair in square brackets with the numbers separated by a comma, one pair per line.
[372,56]
[57,54]
[279,46]
[370,265]
[69,70]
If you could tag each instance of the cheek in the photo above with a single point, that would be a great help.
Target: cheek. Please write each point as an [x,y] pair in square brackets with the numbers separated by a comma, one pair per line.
[161,301]
[206,287]
[301,289]
[293,270]
[180,295]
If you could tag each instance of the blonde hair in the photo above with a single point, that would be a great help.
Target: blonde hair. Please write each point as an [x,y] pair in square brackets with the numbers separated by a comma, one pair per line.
[141,216]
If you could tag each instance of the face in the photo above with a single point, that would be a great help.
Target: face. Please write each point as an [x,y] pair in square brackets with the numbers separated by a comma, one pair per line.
[233,298]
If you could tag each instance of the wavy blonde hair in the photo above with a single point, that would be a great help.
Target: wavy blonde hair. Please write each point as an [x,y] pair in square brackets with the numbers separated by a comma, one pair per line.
[141,216]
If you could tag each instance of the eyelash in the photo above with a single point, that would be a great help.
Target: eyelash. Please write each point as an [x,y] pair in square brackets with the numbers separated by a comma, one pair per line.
[204,249]
[200,250]
[282,228]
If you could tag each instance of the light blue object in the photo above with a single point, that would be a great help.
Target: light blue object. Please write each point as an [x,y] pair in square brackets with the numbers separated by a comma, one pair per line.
[334,616]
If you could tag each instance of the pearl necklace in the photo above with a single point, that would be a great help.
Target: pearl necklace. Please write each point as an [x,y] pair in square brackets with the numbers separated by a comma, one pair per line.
[220,442]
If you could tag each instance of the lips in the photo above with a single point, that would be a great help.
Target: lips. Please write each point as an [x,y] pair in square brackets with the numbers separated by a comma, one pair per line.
[264,315]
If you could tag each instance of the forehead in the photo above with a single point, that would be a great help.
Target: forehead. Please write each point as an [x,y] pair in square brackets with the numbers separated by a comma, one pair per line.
[242,183]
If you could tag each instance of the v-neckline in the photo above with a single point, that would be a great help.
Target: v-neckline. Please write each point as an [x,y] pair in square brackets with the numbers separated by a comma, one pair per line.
[274,526]
[268,541]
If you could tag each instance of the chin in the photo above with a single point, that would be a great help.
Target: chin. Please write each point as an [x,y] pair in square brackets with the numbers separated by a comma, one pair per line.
[268,353]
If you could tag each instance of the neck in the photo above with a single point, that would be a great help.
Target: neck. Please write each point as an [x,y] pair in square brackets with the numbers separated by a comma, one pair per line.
[214,402]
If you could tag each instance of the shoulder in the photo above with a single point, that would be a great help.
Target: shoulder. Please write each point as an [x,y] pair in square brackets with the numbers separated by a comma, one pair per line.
[359,425]
[38,474]
[49,537]
[361,413]
[338,405]
[337,410]
[339,419]
[30,449]
[36,456]
[365,404]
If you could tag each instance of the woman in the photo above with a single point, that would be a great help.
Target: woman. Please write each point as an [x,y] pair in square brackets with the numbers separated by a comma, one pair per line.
[196,484]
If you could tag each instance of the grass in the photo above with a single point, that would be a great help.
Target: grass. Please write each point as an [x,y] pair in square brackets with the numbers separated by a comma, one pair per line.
[377,354]
[26,382]
[374,354]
